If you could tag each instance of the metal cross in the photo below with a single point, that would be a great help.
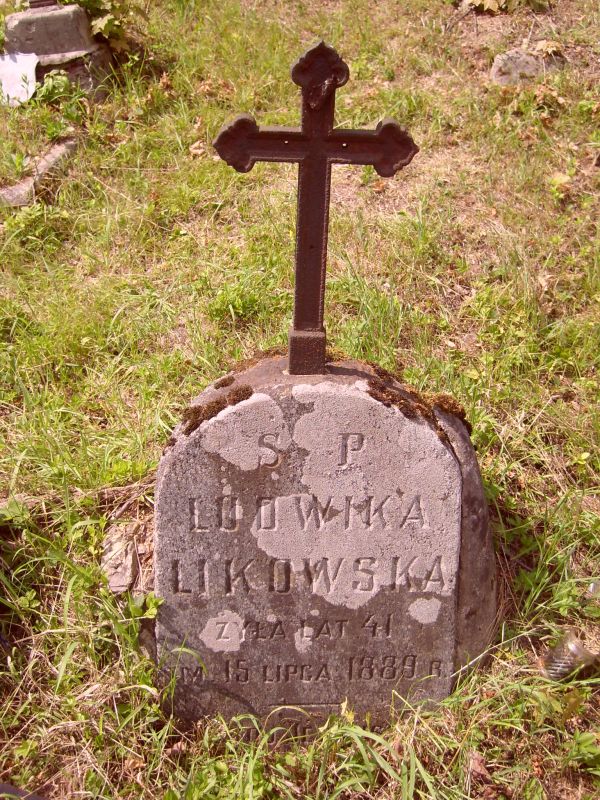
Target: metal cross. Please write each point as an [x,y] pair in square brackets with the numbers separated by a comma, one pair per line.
[315,146]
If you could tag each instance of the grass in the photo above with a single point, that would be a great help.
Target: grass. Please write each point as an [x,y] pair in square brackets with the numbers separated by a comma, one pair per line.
[144,276]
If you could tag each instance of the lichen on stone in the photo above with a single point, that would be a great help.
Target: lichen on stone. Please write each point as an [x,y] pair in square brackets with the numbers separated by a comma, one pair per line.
[445,402]
[225,381]
[194,416]
[407,400]
[413,404]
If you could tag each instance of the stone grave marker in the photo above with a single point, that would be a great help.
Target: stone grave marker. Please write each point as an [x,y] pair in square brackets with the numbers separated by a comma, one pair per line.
[61,38]
[321,531]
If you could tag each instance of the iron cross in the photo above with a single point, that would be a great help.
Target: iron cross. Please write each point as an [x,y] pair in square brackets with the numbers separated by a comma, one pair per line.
[316,145]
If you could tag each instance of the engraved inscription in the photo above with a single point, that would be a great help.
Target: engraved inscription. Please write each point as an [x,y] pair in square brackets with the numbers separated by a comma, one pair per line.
[363,567]
[365,668]
[222,514]
[267,631]
[320,574]
[280,575]
[236,577]
[266,514]
[326,514]
[378,629]
[350,443]
[328,629]
[310,509]
[286,673]
[272,457]
[387,668]
[365,513]
[194,582]
[435,669]
[364,575]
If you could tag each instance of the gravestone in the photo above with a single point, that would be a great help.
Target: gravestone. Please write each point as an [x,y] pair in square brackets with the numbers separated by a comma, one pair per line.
[61,38]
[321,531]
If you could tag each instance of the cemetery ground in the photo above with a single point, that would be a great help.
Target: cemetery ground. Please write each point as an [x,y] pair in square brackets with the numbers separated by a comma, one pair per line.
[153,268]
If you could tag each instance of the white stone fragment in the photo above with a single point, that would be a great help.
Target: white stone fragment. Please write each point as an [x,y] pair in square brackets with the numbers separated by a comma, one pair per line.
[17,77]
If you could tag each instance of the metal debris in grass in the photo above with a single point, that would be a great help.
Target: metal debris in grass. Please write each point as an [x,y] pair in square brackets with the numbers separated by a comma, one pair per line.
[568,656]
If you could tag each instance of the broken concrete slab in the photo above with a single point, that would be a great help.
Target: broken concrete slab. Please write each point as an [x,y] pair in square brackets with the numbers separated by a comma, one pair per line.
[518,66]
[45,169]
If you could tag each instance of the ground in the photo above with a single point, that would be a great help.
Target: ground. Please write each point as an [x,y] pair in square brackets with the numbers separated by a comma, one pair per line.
[154,267]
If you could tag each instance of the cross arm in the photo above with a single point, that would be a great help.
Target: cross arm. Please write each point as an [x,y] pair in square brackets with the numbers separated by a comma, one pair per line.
[242,143]
[388,148]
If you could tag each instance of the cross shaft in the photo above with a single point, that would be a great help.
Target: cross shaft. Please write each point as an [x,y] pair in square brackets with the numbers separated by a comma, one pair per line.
[315,146]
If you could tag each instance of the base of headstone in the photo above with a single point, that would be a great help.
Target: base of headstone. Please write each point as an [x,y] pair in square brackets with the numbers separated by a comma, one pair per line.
[320,540]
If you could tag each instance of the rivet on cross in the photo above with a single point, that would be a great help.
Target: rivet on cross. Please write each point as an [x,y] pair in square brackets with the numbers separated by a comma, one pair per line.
[315,146]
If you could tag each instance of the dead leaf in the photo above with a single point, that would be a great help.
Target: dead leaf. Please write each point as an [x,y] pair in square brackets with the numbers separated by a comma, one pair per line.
[165,81]
[379,186]
[548,98]
[133,763]
[547,47]
[210,88]
[560,183]
[176,749]
[197,149]
[491,5]
[543,280]
[477,767]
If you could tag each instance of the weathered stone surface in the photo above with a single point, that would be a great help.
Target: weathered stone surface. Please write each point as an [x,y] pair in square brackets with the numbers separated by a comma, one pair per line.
[46,31]
[516,66]
[318,538]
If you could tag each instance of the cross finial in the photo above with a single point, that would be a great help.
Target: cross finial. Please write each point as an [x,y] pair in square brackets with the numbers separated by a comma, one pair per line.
[315,146]
[319,72]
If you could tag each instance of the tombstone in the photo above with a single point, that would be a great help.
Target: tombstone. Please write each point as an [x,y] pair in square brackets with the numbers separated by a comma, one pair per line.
[61,38]
[321,532]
